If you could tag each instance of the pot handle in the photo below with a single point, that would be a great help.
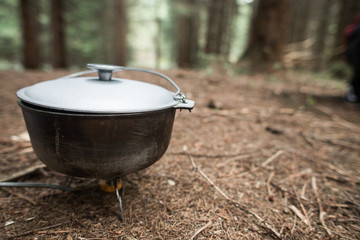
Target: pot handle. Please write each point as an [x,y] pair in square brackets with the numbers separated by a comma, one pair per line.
[105,72]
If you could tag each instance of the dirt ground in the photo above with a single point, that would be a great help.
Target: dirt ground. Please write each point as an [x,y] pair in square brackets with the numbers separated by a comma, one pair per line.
[260,157]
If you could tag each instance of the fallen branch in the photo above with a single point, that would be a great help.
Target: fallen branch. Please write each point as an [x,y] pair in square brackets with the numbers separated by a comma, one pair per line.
[234,202]
[200,230]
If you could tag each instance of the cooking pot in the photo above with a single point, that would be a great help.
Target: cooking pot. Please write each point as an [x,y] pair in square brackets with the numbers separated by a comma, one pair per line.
[100,127]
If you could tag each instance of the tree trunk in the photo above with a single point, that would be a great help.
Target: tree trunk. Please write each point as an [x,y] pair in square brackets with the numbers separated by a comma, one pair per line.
[220,15]
[187,32]
[30,26]
[120,32]
[300,20]
[58,34]
[269,33]
[321,34]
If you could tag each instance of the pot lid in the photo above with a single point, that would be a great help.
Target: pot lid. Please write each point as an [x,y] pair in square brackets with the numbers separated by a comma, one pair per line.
[101,94]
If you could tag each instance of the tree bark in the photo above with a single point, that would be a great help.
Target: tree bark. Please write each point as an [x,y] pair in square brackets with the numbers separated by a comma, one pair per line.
[269,33]
[120,32]
[300,20]
[30,26]
[321,35]
[187,32]
[58,34]
[220,15]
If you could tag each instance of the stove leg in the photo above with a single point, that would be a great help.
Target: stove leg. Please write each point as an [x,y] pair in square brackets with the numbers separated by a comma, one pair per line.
[119,199]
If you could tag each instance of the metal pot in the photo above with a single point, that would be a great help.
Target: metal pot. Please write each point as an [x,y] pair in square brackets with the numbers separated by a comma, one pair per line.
[100,127]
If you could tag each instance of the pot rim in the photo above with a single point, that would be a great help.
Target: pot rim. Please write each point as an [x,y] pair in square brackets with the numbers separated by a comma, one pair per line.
[44,110]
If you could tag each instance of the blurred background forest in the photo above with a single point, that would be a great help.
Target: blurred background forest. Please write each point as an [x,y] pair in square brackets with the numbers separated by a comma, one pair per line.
[193,34]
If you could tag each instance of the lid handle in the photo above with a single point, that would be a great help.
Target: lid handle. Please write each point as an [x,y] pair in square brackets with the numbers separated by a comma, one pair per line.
[105,71]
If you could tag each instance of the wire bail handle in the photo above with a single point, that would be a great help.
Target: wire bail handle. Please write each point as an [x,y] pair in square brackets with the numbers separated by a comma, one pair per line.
[105,72]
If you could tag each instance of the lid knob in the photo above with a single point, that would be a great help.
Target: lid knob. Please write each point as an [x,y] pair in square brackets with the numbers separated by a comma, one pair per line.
[105,71]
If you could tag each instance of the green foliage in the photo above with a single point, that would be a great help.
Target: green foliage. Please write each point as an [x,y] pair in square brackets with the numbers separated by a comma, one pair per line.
[151,35]
[84,31]
[10,34]
[340,69]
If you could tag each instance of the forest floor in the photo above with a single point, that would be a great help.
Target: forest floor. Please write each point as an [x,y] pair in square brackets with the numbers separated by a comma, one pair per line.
[260,157]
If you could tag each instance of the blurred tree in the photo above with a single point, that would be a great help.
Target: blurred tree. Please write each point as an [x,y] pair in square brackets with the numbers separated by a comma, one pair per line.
[319,47]
[120,31]
[300,20]
[30,26]
[10,34]
[187,32]
[269,33]
[58,34]
[220,16]
[84,32]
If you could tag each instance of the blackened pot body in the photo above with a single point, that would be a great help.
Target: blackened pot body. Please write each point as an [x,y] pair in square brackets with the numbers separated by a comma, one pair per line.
[98,145]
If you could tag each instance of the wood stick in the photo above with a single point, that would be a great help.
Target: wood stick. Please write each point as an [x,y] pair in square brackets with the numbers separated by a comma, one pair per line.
[8,149]
[321,209]
[234,202]
[208,179]
[294,226]
[21,196]
[303,190]
[338,119]
[268,185]
[233,159]
[208,156]
[200,230]
[21,173]
[304,210]
[272,158]
[36,230]
[299,214]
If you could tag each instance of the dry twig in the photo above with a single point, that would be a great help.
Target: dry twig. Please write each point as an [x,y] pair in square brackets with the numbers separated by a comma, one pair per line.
[21,196]
[321,210]
[299,214]
[294,226]
[338,119]
[21,173]
[240,157]
[185,153]
[200,230]
[268,185]
[234,202]
[36,230]
[304,211]
[272,158]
